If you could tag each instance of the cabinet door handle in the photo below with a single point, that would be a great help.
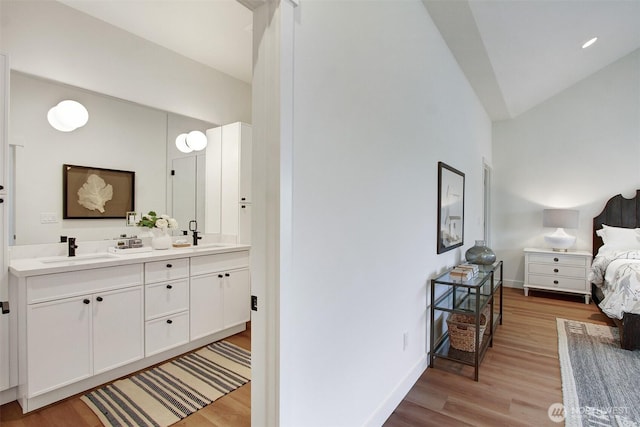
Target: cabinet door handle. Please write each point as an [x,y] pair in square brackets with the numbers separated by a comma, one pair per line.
[243,199]
[86,301]
[220,276]
[555,270]
[556,260]
[555,282]
[169,287]
[243,206]
[169,265]
[226,275]
[169,321]
[99,299]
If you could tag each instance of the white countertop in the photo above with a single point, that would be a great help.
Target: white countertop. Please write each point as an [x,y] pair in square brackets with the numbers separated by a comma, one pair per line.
[46,265]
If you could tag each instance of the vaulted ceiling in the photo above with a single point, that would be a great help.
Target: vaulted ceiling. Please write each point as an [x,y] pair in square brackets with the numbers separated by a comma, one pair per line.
[515,53]
[518,53]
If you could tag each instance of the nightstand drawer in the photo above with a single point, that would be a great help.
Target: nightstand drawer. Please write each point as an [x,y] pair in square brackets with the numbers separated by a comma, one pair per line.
[558,259]
[559,270]
[557,282]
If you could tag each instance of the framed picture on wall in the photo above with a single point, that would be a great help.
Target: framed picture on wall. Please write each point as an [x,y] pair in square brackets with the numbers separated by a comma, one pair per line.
[450,208]
[96,193]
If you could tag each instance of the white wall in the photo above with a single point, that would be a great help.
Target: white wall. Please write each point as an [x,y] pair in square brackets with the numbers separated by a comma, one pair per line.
[378,100]
[575,150]
[52,40]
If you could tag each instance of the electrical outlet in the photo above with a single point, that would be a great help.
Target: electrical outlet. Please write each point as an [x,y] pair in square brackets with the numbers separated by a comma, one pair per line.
[48,218]
[405,341]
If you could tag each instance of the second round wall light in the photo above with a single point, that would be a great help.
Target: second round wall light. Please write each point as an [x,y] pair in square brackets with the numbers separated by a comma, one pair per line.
[192,141]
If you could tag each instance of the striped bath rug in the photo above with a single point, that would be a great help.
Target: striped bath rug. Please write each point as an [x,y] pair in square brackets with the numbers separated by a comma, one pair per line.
[166,394]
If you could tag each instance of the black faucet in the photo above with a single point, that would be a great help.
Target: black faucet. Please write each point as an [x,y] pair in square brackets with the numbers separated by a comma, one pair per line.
[71,243]
[195,231]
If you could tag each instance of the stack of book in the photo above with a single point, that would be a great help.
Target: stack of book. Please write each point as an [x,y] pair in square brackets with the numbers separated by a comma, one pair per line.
[464,271]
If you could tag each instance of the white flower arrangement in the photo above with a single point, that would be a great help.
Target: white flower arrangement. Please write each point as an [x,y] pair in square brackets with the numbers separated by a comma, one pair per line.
[153,220]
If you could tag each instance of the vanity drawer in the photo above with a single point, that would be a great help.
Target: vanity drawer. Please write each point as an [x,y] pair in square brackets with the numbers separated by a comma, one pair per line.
[166,332]
[557,282]
[558,259]
[561,270]
[171,269]
[73,283]
[166,298]
[219,262]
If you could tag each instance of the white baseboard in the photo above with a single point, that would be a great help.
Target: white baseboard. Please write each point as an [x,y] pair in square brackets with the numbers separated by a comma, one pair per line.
[8,395]
[513,284]
[393,400]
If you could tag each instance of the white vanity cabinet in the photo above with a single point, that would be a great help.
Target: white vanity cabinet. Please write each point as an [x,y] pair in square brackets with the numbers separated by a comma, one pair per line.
[84,323]
[58,330]
[220,292]
[80,324]
[166,304]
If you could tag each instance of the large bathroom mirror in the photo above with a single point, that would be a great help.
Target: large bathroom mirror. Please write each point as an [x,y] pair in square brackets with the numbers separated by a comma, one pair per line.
[119,135]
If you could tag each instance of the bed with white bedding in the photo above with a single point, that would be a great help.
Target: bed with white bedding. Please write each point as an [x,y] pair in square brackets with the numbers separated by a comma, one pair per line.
[617,274]
[615,271]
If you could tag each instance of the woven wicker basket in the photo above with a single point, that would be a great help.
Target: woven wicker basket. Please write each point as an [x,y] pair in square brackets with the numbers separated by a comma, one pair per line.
[462,330]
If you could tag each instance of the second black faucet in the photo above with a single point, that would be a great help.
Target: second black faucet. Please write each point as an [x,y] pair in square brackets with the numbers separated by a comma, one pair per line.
[71,243]
[193,227]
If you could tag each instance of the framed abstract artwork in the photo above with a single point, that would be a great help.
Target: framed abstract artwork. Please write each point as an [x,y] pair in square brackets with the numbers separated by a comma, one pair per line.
[96,193]
[450,208]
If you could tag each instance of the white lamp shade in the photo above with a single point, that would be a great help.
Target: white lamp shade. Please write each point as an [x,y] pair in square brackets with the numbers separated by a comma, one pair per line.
[181,143]
[68,116]
[196,140]
[562,218]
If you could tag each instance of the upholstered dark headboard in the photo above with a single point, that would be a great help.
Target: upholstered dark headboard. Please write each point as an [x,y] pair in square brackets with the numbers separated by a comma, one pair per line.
[618,212]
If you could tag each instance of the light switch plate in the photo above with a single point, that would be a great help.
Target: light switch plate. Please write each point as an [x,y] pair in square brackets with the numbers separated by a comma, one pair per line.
[48,218]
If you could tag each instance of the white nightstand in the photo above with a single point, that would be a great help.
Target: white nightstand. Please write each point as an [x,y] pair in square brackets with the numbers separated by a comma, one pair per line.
[548,270]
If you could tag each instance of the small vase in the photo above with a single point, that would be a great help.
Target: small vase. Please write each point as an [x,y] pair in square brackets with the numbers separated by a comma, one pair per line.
[161,239]
[480,254]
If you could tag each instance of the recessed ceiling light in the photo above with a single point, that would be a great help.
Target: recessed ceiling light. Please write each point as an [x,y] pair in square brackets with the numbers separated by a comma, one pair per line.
[589,43]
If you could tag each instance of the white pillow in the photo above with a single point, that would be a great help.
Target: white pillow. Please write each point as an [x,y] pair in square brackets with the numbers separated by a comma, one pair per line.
[621,238]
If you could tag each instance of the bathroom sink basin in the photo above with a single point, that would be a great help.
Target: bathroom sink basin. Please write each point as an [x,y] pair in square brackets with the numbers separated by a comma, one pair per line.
[210,246]
[67,259]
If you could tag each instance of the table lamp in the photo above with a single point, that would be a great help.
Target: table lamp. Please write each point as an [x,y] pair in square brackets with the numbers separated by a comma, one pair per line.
[560,219]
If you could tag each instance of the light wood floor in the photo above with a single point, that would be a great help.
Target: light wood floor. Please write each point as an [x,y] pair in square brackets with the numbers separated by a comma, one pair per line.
[519,379]
[519,376]
[231,410]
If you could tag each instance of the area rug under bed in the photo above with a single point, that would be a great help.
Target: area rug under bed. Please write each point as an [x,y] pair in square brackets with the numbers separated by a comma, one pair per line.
[600,381]
[164,395]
